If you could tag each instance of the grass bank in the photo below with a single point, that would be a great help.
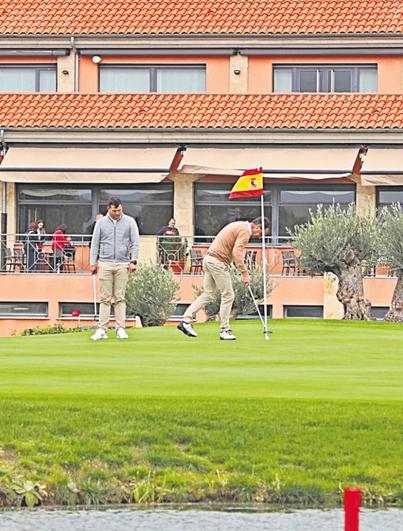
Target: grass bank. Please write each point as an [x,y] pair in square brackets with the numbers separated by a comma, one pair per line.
[166,418]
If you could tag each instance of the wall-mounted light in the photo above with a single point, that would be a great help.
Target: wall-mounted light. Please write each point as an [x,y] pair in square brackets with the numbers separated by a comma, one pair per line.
[96,59]
[237,72]
[65,72]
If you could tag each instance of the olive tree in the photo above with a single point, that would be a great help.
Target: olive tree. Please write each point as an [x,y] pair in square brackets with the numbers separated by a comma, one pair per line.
[151,293]
[338,241]
[391,220]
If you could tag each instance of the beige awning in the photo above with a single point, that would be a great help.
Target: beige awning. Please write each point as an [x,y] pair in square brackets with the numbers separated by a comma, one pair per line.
[279,163]
[385,163]
[86,165]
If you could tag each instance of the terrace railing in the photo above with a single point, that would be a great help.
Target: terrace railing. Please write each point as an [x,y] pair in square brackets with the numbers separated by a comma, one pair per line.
[181,254]
[22,253]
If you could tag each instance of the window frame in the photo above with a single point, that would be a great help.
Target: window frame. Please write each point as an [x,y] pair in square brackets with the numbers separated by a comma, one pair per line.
[380,189]
[275,200]
[43,315]
[152,68]
[95,201]
[37,68]
[325,78]
[314,307]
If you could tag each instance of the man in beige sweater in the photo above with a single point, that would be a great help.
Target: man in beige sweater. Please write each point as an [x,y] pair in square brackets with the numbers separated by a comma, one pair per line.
[228,246]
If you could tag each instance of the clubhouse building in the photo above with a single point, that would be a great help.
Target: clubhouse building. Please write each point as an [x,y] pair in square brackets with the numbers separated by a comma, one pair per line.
[164,104]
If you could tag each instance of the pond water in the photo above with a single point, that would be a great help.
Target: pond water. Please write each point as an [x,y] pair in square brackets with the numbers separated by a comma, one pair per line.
[194,520]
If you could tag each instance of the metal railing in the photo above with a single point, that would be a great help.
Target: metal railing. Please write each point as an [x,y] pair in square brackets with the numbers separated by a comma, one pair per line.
[22,253]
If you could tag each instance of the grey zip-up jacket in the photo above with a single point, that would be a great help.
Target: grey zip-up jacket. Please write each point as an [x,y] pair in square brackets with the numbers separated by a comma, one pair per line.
[115,242]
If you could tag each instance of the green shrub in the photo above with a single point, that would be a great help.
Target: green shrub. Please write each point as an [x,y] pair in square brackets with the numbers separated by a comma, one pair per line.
[50,329]
[243,303]
[150,294]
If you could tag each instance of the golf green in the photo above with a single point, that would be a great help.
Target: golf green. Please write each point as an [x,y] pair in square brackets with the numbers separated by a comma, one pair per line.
[165,417]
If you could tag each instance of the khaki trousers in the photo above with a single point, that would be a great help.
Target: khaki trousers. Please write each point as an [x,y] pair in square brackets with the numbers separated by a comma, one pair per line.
[112,283]
[216,277]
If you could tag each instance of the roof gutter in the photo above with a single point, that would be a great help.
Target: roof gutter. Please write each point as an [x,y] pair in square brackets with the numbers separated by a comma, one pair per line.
[152,51]
[33,53]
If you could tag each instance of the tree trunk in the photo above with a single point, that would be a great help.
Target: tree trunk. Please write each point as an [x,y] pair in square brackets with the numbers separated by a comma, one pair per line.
[395,312]
[351,289]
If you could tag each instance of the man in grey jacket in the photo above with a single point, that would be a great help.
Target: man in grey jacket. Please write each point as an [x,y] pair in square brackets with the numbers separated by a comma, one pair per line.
[114,253]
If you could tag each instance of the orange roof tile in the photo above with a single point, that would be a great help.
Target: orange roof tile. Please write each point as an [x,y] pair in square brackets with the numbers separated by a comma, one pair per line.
[152,17]
[205,111]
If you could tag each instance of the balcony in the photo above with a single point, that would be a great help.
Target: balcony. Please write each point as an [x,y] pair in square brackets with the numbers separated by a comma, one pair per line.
[183,255]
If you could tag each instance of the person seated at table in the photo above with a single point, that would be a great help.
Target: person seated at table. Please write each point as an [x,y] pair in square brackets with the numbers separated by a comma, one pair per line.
[31,242]
[59,243]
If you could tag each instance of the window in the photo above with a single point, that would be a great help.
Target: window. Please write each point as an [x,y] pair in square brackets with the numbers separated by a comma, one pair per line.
[27,78]
[325,78]
[23,309]
[388,195]
[310,312]
[213,209]
[179,311]
[295,203]
[255,315]
[379,312]
[154,78]
[86,310]
[150,204]
[55,205]
[285,205]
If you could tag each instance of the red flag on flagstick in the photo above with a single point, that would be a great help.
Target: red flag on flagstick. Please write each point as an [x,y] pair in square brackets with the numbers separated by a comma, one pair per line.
[249,184]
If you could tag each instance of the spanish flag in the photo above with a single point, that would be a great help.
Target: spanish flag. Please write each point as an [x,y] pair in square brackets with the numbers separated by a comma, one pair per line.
[249,184]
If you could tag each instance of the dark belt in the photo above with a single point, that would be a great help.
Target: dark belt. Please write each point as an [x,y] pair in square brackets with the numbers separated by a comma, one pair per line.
[209,253]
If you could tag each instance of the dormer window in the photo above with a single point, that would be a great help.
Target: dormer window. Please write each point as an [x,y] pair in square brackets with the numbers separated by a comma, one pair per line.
[325,78]
[152,78]
[27,78]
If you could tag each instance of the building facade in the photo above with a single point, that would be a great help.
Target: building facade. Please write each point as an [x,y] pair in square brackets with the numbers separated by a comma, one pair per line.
[164,103]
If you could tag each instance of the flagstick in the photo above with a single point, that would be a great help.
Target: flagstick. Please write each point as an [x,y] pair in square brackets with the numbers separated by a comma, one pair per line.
[265,330]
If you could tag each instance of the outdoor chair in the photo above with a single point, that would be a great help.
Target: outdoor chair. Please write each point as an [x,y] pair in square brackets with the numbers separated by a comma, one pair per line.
[290,263]
[250,260]
[196,261]
[67,264]
[14,259]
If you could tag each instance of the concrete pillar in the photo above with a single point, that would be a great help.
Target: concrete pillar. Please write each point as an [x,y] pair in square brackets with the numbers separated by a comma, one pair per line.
[332,308]
[11,209]
[148,250]
[365,200]
[238,74]
[183,203]
[66,72]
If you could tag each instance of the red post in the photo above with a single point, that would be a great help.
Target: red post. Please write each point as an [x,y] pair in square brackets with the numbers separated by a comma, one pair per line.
[352,500]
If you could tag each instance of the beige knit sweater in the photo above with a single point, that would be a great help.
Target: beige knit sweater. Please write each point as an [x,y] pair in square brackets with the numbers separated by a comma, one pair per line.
[229,244]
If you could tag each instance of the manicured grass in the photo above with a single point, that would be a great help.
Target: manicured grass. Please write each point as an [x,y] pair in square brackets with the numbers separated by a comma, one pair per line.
[163,417]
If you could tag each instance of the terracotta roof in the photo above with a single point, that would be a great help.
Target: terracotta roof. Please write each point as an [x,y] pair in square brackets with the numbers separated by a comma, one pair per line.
[123,17]
[189,111]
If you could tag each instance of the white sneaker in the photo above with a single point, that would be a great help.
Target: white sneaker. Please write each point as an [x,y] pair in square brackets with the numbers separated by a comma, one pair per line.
[227,335]
[187,329]
[121,333]
[99,334]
